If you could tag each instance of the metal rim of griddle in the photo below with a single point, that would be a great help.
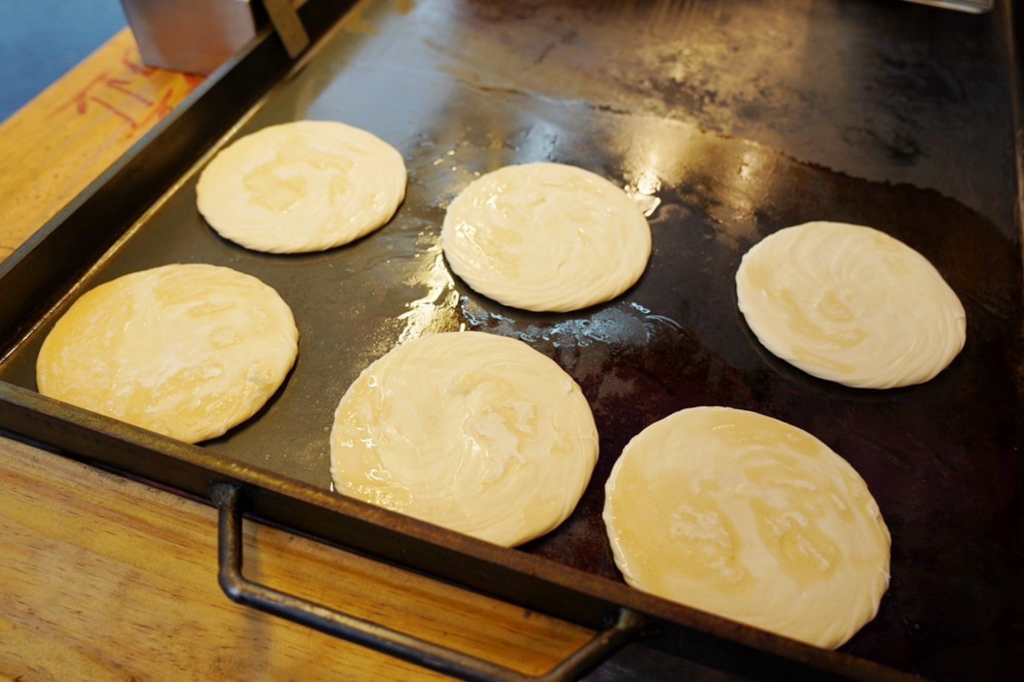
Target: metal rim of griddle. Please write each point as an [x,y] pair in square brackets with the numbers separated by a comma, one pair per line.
[366,633]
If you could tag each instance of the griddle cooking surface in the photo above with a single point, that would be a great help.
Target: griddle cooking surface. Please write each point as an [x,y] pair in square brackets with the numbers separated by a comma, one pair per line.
[464,88]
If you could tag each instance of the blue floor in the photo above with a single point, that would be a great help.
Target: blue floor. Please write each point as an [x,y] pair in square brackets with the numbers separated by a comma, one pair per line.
[41,39]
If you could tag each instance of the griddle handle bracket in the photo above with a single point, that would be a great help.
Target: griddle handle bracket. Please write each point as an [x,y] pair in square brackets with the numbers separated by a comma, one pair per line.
[288,25]
[374,636]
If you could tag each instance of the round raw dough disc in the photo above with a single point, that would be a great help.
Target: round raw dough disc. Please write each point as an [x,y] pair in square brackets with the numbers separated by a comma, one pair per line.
[477,433]
[546,237]
[188,351]
[749,518]
[850,304]
[302,186]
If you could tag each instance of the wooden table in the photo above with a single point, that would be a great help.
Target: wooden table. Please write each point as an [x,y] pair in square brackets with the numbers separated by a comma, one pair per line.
[102,578]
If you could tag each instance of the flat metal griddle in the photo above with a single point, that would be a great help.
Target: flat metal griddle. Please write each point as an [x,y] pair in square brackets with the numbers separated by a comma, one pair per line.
[897,116]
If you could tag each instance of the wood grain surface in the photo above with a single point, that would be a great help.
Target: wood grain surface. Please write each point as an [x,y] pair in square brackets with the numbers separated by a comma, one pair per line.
[54,146]
[106,578]
[103,578]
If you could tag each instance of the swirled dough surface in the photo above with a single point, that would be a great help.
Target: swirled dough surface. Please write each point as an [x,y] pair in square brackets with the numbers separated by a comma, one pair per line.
[188,351]
[480,434]
[302,186]
[850,304]
[749,518]
[546,237]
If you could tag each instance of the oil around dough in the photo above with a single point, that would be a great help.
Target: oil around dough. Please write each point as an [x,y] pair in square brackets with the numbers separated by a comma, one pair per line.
[850,304]
[302,186]
[477,433]
[747,517]
[546,237]
[187,351]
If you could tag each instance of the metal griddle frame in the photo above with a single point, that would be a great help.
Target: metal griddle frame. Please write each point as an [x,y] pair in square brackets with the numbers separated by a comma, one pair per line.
[47,267]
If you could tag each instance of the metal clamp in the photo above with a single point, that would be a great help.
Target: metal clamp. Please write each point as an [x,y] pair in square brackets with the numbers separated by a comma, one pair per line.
[378,637]
[286,22]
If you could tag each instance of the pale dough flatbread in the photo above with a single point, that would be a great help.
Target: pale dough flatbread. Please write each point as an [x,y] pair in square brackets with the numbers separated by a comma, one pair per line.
[302,186]
[188,351]
[749,518]
[850,304]
[477,433]
[546,237]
